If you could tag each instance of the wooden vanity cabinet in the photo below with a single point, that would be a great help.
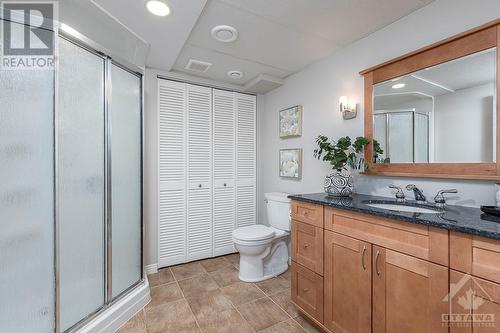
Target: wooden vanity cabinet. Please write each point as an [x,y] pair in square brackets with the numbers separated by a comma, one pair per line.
[347,283]
[475,304]
[407,293]
[378,275]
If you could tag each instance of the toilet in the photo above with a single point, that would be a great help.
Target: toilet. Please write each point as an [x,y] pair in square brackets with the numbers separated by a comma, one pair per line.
[264,250]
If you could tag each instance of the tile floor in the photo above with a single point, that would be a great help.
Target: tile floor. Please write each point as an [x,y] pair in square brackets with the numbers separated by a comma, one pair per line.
[207,296]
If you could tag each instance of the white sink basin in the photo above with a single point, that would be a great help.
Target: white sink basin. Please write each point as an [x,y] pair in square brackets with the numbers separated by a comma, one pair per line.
[403,208]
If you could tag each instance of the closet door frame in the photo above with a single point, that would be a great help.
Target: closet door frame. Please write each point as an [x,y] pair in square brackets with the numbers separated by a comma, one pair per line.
[82,41]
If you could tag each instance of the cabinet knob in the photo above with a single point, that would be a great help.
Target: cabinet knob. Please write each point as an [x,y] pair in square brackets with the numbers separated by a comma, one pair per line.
[305,246]
[199,185]
[305,290]
[225,184]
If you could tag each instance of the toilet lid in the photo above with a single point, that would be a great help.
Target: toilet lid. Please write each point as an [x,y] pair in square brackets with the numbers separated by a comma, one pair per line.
[253,232]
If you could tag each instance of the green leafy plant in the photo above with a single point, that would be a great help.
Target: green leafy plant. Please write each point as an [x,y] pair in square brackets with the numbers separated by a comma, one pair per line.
[344,152]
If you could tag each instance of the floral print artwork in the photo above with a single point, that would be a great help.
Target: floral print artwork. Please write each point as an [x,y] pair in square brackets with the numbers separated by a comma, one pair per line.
[291,121]
[291,163]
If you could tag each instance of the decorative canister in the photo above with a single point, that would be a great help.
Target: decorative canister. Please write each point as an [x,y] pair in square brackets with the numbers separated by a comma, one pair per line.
[339,184]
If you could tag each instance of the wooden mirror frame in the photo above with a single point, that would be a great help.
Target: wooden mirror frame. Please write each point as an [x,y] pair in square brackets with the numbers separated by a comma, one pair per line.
[481,38]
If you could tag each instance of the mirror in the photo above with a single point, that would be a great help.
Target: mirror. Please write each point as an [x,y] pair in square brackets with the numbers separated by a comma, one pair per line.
[440,114]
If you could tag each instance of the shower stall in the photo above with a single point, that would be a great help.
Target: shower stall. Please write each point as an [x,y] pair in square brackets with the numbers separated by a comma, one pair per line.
[70,189]
[403,135]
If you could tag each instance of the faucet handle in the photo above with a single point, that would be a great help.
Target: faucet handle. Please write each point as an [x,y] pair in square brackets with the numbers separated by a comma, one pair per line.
[400,195]
[440,200]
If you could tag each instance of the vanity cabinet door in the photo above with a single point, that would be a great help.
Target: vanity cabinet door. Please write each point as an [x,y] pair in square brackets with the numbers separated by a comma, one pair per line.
[307,291]
[307,246]
[347,280]
[408,294]
[475,304]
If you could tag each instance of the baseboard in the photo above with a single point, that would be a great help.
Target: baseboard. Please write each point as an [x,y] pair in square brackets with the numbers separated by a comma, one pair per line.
[151,269]
[111,319]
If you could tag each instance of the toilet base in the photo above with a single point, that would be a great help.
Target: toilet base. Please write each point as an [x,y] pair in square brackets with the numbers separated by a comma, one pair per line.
[279,271]
[265,261]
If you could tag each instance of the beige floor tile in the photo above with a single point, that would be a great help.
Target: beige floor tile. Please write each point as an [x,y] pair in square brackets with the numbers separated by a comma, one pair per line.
[262,313]
[186,271]
[136,324]
[284,300]
[287,275]
[310,328]
[163,276]
[234,259]
[274,285]
[226,276]
[174,317]
[197,285]
[229,321]
[242,292]
[209,303]
[214,264]
[164,293]
[289,326]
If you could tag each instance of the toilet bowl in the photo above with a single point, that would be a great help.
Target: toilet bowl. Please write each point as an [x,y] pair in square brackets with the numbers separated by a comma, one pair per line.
[264,250]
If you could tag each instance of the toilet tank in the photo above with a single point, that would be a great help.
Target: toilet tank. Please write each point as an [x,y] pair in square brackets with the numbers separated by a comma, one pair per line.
[278,210]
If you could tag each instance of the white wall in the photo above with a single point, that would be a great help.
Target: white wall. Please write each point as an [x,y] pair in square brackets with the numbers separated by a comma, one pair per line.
[319,87]
[470,109]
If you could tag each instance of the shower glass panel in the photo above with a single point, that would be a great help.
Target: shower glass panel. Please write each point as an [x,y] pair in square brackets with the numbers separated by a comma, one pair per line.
[27,201]
[81,182]
[380,133]
[400,132]
[125,115]
[421,138]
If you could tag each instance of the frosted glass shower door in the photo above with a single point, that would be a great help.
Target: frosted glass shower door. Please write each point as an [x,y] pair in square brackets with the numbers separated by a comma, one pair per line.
[81,182]
[27,201]
[125,111]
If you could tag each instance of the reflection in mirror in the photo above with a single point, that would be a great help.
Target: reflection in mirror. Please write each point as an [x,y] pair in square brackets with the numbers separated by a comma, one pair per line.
[441,114]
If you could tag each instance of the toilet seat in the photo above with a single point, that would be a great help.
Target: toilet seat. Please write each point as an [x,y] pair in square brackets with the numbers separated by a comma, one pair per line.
[257,232]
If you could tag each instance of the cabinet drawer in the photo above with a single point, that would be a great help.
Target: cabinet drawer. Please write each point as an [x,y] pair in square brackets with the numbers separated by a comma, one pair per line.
[307,291]
[416,240]
[475,255]
[307,213]
[307,246]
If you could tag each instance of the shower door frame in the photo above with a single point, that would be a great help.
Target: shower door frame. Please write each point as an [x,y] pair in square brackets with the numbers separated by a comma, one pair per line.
[110,59]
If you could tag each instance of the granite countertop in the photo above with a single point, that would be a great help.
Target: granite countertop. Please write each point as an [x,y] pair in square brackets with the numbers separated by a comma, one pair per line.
[457,218]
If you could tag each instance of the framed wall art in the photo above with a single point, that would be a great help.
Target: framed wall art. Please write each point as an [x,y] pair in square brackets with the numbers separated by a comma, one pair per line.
[290,122]
[290,163]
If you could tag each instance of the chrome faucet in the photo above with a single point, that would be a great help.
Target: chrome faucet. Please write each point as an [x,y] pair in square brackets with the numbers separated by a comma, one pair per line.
[440,200]
[400,195]
[419,195]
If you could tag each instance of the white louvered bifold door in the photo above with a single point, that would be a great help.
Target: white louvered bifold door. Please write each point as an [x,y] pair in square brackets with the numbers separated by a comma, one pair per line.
[224,209]
[199,150]
[245,159]
[172,173]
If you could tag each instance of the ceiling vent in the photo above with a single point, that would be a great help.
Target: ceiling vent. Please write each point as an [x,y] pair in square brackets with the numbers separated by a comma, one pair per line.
[198,66]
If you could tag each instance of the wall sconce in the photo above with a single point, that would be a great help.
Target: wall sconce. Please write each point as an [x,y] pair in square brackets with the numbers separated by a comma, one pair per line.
[348,110]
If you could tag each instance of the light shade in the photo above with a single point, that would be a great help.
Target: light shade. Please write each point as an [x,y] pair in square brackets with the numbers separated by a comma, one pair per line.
[157,7]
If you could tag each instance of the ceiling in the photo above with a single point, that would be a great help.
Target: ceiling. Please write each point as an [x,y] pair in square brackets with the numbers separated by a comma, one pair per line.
[467,72]
[276,38]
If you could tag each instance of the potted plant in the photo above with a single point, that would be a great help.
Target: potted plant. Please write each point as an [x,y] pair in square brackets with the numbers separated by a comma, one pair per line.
[344,156]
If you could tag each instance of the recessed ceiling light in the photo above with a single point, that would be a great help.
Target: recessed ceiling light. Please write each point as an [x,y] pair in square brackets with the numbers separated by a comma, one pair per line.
[157,7]
[398,86]
[224,33]
[235,74]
